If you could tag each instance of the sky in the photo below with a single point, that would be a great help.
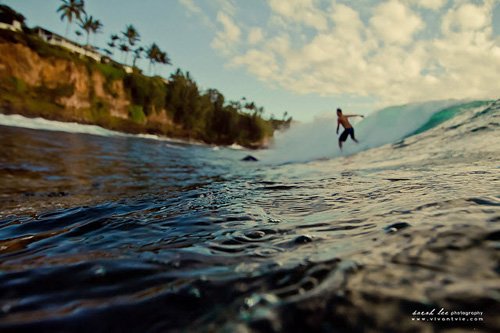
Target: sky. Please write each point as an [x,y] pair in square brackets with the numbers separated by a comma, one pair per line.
[308,57]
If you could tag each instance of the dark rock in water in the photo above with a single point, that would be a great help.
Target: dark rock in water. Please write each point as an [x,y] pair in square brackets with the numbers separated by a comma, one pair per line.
[256,234]
[249,158]
[477,129]
[493,236]
[57,194]
[302,239]
[396,227]
[400,144]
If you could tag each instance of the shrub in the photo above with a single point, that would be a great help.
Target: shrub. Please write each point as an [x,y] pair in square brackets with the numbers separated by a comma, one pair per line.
[145,91]
[136,113]
[52,94]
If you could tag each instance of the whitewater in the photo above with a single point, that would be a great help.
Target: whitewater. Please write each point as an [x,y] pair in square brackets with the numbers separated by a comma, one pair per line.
[304,141]
[101,231]
[317,139]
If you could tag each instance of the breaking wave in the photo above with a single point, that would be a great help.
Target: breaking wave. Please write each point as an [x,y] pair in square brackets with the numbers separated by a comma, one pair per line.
[318,140]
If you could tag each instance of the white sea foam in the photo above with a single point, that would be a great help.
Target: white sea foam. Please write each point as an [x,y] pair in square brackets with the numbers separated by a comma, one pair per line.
[51,125]
[236,146]
[317,139]
[72,127]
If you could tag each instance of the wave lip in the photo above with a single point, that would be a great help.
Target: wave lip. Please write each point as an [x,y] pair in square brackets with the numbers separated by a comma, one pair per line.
[318,140]
[38,123]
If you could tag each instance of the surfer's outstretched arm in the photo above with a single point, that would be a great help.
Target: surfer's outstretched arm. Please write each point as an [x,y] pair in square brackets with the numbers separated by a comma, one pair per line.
[338,125]
[354,115]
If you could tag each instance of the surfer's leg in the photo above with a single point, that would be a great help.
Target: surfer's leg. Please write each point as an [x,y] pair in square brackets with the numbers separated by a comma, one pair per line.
[352,136]
[343,137]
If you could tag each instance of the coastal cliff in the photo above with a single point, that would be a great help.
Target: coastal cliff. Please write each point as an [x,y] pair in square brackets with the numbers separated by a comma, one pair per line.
[41,80]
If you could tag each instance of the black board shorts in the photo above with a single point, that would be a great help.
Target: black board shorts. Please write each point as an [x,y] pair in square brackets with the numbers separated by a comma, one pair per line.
[346,133]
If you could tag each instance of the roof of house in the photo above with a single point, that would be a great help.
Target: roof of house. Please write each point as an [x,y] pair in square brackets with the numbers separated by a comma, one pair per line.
[51,33]
[9,15]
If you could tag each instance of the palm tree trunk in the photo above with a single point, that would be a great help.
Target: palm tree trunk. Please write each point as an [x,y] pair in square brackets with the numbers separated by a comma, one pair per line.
[67,29]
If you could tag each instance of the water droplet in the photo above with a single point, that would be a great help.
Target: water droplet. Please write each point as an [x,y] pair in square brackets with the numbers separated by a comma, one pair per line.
[194,292]
[99,270]
[6,308]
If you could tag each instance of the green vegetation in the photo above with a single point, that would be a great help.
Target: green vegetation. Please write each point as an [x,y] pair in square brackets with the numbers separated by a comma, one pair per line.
[137,114]
[111,72]
[174,107]
[19,85]
[146,91]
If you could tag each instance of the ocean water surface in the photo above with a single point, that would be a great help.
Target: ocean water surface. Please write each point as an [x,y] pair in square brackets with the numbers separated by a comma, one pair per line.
[104,232]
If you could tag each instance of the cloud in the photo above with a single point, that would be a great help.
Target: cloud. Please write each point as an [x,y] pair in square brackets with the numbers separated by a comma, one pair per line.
[300,11]
[467,17]
[229,36]
[393,22]
[191,6]
[255,35]
[226,6]
[389,52]
[193,9]
[428,4]
[260,63]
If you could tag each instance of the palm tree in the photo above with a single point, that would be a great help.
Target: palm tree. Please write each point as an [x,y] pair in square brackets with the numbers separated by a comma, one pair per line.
[96,27]
[86,24]
[152,53]
[78,34]
[156,55]
[131,35]
[113,39]
[112,42]
[164,59]
[125,50]
[71,9]
[250,106]
[137,55]
[90,26]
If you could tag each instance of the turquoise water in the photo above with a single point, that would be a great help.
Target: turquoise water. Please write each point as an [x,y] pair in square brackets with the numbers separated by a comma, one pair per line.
[448,113]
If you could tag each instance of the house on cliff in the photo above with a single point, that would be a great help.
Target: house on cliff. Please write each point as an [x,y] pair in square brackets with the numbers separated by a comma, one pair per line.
[10,19]
[14,21]
[58,40]
[87,50]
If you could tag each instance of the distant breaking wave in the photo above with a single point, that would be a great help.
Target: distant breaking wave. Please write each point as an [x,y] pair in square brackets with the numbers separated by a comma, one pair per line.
[318,140]
[308,141]
[16,120]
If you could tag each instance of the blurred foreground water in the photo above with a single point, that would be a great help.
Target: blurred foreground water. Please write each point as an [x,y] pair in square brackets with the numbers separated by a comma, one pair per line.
[119,233]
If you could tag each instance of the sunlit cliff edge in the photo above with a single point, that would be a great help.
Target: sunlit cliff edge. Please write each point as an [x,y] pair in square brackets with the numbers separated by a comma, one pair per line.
[42,80]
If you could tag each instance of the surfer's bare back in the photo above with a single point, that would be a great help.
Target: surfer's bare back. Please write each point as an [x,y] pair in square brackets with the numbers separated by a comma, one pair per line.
[343,119]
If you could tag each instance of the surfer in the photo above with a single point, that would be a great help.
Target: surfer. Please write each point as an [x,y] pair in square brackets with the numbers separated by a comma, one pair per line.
[343,119]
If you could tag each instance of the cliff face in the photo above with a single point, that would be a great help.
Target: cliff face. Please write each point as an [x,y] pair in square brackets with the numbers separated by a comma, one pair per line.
[20,62]
[40,80]
[61,88]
